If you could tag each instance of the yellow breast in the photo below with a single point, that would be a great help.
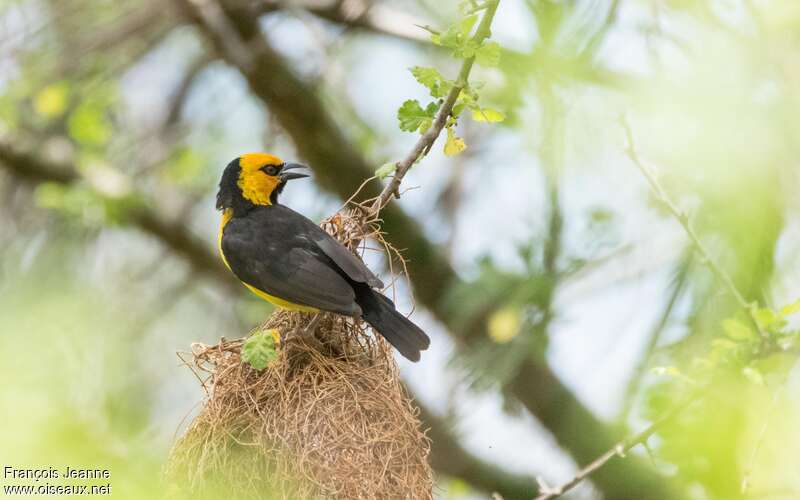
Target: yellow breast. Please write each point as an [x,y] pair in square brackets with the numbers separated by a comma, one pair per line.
[283,304]
[226,216]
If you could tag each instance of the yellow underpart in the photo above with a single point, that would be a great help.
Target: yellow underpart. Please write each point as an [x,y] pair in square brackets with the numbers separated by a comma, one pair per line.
[226,216]
[284,304]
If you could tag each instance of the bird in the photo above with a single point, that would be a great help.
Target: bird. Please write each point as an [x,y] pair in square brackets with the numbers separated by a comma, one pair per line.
[288,260]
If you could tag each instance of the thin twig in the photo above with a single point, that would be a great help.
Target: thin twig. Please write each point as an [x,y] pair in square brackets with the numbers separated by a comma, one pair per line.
[426,141]
[678,285]
[683,218]
[619,449]
[759,442]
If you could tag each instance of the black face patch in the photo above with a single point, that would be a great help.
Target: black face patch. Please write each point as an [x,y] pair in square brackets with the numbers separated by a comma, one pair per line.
[230,194]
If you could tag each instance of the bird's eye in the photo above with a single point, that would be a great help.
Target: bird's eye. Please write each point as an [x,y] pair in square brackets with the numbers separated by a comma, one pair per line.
[270,170]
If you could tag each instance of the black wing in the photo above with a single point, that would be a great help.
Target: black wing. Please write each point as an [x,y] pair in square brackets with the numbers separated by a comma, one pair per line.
[273,251]
[344,258]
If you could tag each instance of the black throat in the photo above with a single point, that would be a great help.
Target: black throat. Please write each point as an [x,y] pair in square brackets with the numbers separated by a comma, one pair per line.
[273,197]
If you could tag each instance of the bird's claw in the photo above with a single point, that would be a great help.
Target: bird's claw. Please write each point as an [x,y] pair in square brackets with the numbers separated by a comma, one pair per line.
[307,334]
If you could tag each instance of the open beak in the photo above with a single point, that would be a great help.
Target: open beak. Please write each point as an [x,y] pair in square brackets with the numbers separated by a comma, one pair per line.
[286,175]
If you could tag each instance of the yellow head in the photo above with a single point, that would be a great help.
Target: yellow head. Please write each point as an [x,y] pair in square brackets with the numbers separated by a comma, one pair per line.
[254,179]
[258,176]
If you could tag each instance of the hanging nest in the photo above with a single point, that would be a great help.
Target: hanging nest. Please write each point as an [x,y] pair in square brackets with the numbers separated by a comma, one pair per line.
[328,417]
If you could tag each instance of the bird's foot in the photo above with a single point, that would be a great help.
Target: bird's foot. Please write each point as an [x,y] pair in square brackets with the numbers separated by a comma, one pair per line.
[306,334]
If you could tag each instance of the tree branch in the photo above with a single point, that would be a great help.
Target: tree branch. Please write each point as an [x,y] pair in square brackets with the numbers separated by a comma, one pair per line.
[548,493]
[363,15]
[35,170]
[426,141]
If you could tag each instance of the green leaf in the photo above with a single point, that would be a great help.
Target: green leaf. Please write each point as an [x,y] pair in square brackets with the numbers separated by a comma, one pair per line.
[466,24]
[259,349]
[488,115]
[765,317]
[413,117]
[488,54]
[454,144]
[457,38]
[89,125]
[386,170]
[426,76]
[466,49]
[468,97]
[433,80]
[450,38]
[737,330]
[753,375]
[790,309]
[425,125]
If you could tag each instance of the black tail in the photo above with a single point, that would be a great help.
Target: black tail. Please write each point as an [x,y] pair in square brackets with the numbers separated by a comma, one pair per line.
[380,313]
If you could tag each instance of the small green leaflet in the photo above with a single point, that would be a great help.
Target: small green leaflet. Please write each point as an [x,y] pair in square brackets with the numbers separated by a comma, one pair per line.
[457,38]
[488,54]
[412,117]
[433,80]
[466,24]
[386,170]
[449,38]
[736,330]
[767,318]
[426,76]
[258,349]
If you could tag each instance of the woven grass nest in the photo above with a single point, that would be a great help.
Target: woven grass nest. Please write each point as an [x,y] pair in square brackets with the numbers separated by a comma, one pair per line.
[328,418]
